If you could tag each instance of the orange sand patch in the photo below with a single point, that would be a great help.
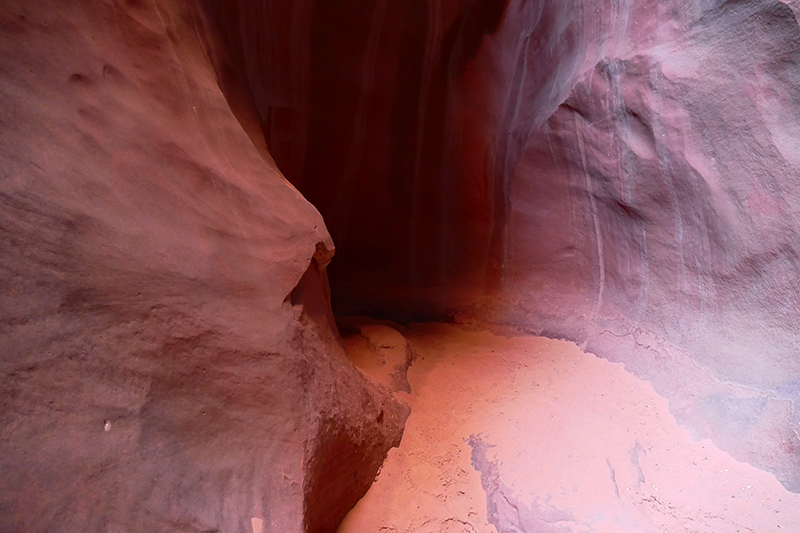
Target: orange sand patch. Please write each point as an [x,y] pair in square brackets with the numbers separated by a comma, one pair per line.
[532,434]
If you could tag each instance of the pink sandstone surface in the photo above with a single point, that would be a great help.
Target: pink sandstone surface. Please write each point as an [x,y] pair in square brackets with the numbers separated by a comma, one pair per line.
[621,174]
[168,356]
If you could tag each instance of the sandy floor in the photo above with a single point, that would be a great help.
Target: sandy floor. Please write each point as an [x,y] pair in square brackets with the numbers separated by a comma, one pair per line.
[529,434]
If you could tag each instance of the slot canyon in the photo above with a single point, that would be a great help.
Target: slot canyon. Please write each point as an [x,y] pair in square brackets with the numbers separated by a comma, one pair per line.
[276,266]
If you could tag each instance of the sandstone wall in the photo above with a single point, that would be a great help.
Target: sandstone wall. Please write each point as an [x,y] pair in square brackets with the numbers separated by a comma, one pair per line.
[616,172]
[166,346]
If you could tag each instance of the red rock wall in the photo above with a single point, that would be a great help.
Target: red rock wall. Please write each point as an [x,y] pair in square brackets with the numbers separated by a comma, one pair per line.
[402,121]
[671,170]
[167,356]
[619,173]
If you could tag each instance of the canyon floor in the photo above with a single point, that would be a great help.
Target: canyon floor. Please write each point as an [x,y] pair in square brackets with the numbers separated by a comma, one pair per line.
[528,434]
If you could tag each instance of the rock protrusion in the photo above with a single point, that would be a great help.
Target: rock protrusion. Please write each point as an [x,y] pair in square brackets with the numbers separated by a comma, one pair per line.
[384,355]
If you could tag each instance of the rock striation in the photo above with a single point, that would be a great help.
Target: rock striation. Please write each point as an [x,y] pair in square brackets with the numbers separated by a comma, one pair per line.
[671,169]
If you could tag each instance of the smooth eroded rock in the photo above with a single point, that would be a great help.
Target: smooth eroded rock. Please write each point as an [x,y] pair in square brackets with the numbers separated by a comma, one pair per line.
[167,358]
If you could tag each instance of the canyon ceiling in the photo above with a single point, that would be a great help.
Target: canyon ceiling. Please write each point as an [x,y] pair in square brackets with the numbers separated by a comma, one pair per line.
[622,174]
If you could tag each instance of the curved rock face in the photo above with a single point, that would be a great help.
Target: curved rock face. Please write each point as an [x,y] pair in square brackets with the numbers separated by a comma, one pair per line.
[671,169]
[167,350]
[617,173]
